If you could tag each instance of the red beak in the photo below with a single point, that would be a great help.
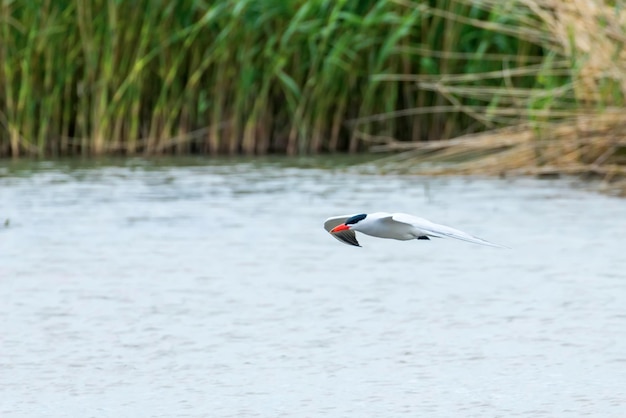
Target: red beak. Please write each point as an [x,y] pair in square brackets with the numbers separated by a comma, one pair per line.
[339,228]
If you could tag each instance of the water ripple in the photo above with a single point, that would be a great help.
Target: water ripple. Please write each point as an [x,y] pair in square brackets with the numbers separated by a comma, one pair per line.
[212,290]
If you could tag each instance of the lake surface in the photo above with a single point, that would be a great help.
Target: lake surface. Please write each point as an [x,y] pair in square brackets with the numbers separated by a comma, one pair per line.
[212,290]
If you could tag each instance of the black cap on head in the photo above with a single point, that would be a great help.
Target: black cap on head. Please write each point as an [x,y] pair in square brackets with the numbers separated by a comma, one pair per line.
[356,218]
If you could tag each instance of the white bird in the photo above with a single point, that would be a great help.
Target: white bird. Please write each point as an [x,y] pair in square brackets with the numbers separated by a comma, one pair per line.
[398,226]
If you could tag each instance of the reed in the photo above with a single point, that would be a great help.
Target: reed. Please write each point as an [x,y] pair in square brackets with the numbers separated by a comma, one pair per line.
[297,77]
[568,120]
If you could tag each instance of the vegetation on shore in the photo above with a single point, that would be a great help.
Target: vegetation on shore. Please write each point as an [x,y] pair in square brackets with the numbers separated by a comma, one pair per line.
[300,77]
[571,127]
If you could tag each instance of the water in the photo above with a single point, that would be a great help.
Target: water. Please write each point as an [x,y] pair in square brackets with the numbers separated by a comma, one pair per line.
[211,290]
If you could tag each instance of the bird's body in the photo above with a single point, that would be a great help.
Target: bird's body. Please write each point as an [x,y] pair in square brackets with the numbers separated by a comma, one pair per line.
[399,226]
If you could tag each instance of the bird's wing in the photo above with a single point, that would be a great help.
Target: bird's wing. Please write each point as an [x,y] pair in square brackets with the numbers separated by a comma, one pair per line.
[440,231]
[347,236]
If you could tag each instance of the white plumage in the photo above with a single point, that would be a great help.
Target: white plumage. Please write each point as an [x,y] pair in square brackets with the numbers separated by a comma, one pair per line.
[400,226]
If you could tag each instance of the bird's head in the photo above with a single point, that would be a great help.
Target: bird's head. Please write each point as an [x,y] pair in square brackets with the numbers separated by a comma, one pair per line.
[349,223]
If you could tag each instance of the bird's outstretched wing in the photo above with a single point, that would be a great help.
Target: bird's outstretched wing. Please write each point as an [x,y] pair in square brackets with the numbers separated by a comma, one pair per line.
[432,229]
[347,236]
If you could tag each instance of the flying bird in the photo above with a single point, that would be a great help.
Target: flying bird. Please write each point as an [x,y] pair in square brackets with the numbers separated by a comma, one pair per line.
[398,226]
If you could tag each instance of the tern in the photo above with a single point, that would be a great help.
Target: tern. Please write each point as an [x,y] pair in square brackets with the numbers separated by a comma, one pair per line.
[400,226]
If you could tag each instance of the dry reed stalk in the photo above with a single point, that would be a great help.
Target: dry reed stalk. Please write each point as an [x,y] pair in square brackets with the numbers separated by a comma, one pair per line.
[577,127]
[593,30]
[584,145]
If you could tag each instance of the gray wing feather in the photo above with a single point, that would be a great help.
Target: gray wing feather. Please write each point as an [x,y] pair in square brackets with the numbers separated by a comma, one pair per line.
[347,237]
[440,231]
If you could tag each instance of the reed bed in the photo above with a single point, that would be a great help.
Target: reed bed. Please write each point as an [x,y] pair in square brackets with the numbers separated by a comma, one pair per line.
[243,76]
[302,77]
[571,122]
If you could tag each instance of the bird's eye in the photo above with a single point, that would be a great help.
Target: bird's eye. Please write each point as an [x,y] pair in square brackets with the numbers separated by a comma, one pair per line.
[355,219]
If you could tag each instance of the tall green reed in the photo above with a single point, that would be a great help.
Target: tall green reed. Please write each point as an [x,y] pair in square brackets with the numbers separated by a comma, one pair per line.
[243,76]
